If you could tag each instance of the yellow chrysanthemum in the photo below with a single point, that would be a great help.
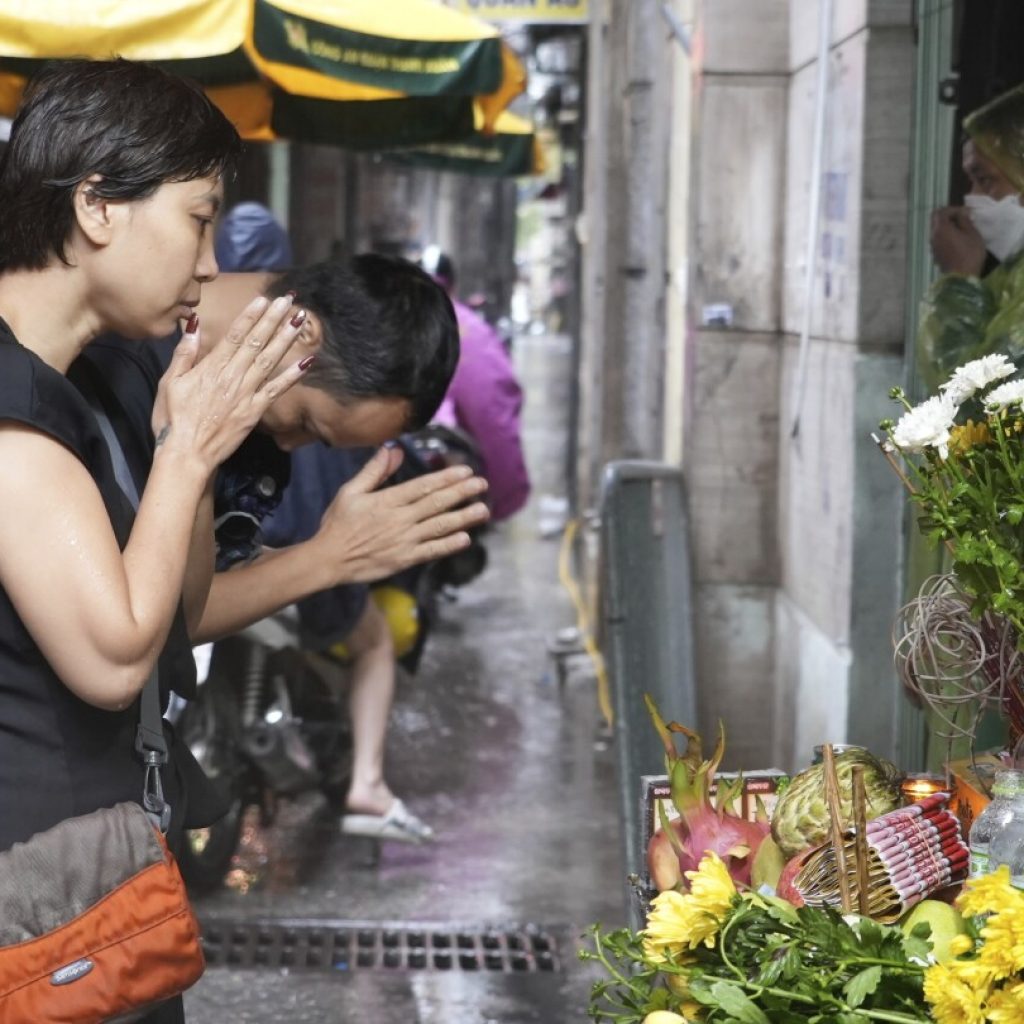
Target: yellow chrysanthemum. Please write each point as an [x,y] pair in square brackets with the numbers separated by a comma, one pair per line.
[953,1000]
[960,944]
[964,438]
[1006,1005]
[682,921]
[974,973]
[678,984]
[990,894]
[669,926]
[1003,946]
[711,886]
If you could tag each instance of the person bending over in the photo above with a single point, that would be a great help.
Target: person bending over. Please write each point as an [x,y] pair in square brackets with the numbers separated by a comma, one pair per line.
[386,341]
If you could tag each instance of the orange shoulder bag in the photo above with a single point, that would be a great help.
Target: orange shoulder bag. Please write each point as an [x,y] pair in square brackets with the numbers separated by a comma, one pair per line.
[95,923]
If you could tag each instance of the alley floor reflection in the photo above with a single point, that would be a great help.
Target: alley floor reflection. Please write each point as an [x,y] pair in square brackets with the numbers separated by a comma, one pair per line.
[509,767]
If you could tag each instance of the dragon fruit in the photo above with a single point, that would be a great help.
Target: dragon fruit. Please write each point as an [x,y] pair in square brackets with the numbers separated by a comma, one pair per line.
[679,845]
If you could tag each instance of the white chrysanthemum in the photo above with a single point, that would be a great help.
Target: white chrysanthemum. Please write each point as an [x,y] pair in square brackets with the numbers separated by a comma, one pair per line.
[975,375]
[1010,393]
[926,426]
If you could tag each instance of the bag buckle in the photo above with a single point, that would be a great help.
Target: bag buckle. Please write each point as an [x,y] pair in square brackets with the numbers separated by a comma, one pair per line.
[156,807]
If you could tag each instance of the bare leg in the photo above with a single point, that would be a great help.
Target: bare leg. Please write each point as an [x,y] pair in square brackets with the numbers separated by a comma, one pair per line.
[370,700]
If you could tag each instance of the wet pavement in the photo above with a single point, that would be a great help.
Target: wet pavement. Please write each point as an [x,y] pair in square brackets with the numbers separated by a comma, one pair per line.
[510,768]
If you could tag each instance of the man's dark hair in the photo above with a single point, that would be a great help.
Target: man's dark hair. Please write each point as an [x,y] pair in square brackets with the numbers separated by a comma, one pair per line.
[134,125]
[389,331]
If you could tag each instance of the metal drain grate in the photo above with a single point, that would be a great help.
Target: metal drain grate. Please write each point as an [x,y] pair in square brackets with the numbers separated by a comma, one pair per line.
[361,946]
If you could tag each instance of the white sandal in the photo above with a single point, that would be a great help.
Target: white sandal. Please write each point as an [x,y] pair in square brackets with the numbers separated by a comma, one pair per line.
[399,824]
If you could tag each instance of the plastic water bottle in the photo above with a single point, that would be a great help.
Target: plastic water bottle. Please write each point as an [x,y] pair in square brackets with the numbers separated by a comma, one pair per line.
[1007,845]
[1003,818]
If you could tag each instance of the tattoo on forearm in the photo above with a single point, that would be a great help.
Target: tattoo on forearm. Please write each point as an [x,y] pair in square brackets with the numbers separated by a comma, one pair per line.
[162,435]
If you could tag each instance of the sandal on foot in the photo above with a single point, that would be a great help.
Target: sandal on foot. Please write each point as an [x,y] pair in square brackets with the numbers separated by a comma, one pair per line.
[399,824]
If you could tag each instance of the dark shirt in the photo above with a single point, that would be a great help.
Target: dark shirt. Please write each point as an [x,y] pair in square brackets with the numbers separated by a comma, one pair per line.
[318,472]
[59,756]
[247,490]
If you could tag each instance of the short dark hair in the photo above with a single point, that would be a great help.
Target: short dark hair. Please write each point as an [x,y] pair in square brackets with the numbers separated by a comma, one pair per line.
[389,331]
[133,124]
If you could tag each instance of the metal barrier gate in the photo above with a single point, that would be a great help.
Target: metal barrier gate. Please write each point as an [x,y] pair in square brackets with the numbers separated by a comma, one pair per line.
[647,621]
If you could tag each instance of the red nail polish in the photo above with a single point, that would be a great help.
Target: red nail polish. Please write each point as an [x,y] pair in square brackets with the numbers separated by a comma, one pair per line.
[290,295]
[306,363]
[193,324]
[298,319]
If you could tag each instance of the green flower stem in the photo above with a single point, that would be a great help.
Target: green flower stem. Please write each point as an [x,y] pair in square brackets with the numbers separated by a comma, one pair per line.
[938,495]
[869,961]
[721,947]
[1008,463]
[899,396]
[898,965]
[919,475]
[614,972]
[892,1016]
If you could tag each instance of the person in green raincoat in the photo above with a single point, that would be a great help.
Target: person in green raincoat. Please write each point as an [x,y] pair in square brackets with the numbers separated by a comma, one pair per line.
[967,315]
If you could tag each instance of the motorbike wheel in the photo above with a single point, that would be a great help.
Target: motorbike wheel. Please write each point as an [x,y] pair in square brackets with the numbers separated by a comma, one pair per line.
[209,729]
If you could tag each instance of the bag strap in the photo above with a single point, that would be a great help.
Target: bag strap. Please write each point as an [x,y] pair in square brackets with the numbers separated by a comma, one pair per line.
[150,743]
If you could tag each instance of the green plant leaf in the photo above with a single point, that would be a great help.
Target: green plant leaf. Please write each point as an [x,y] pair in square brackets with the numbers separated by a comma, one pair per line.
[738,1004]
[918,944]
[861,985]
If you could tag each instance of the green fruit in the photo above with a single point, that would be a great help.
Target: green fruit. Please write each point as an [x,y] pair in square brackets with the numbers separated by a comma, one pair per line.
[946,923]
[801,815]
[768,864]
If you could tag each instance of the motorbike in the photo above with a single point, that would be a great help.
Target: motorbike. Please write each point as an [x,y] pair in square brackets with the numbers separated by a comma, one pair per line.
[268,720]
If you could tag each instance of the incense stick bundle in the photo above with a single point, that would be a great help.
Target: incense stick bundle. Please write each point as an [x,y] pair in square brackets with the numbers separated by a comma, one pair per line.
[904,856]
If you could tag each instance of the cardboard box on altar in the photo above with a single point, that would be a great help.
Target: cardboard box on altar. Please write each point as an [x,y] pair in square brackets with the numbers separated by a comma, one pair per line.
[972,782]
[766,785]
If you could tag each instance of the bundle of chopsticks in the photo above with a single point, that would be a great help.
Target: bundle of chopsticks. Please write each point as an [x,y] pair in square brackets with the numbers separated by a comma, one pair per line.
[883,867]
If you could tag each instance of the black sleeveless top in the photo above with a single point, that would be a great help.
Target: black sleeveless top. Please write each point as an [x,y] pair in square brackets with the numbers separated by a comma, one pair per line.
[61,757]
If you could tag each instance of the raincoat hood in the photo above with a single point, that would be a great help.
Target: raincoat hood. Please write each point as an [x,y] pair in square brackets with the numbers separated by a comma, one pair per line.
[997,130]
[250,239]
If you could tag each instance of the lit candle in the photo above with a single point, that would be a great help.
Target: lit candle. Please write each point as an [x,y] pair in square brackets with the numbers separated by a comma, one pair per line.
[916,788]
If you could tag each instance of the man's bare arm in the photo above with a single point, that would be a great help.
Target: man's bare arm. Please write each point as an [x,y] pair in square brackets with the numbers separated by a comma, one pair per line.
[365,535]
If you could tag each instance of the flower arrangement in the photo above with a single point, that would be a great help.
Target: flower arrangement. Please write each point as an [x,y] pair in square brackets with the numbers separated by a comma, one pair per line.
[721,954]
[961,455]
[969,481]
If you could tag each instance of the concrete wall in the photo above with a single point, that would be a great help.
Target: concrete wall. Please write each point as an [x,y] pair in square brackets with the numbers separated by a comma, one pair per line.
[796,539]
[839,504]
[731,446]
[626,172]
[678,371]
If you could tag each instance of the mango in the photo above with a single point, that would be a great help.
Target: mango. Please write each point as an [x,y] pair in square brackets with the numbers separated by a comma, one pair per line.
[768,864]
[946,923]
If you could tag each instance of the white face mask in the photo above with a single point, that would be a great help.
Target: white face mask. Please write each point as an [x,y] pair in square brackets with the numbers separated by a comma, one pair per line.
[999,222]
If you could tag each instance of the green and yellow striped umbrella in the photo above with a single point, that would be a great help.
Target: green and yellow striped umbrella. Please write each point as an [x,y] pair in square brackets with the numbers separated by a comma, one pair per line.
[360,73]
[511,149]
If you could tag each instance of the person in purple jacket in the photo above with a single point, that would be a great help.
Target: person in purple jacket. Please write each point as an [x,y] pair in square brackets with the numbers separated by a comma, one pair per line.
[484,397]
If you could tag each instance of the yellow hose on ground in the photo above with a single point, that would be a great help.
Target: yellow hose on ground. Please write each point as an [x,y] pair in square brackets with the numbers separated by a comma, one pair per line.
[604,697]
